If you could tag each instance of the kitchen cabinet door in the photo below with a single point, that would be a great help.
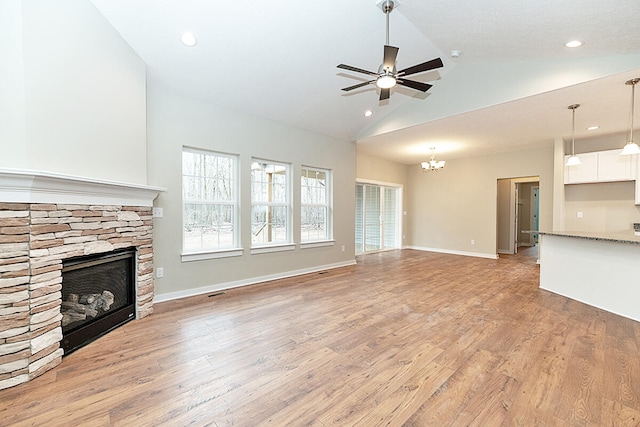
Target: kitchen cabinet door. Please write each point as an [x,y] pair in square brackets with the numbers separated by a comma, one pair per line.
[586,171]
[614,167]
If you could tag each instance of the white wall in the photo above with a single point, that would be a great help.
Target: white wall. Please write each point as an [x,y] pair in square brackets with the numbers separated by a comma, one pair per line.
[459,204]
[83,93]
[12,113]
[174,121]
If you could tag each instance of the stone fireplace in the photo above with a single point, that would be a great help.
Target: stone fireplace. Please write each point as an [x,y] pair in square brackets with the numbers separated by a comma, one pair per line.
[37,235]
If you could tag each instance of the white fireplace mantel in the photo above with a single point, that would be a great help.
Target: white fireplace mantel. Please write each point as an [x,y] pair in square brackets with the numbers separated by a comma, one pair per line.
[28,186]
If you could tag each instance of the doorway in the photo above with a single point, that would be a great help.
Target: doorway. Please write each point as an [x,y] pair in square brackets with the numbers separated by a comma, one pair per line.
[378,219]
[517,213]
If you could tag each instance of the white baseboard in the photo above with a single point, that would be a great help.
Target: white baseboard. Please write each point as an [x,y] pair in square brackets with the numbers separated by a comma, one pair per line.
[245,282]
[453,252]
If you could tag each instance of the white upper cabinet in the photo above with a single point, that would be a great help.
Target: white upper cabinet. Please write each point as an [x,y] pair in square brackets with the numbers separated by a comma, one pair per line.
[586,171]
[614,167]
[602,166]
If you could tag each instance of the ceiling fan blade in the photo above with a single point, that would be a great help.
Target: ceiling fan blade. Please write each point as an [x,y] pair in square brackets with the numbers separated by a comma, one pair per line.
[390,54]
[384,94]
[425,66]
[357,70]
[347,89]
[423,87]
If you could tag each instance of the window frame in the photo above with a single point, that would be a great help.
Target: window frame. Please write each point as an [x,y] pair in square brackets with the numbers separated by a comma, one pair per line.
[278,245]
[327,240]
[213,251]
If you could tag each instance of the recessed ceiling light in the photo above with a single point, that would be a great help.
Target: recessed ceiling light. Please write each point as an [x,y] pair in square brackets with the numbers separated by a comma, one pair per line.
[188,39]
[455,54]
[593,127]
[368,113]
[574,43]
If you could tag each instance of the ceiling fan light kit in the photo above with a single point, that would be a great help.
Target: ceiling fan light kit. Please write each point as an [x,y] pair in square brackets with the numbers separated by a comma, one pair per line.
[631,147]
[388,76]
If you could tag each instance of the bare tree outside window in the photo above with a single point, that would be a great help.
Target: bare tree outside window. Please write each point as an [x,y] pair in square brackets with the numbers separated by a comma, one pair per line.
[210,200]
[270,203]
[315,204]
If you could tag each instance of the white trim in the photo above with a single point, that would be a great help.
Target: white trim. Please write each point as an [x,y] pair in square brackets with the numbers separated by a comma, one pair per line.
[246,282]
[272,248]
[29,186]
[317,244]
[453,252]
[214,254]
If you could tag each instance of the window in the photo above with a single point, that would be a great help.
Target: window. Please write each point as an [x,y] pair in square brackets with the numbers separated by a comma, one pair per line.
[210,201]
[270,203]
[315,198]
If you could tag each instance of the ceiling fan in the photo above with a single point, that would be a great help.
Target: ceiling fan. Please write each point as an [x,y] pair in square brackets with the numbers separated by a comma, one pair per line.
[388,76]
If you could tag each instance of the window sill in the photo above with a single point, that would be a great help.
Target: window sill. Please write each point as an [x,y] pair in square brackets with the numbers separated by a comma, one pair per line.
[224,253]
[272,248]
[317,244]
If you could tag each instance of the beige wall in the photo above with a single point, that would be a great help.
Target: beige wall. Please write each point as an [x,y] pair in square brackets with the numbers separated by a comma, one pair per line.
[604,206]
[451,208]
[174,121]
[503,220]
[78,91]
[377,169]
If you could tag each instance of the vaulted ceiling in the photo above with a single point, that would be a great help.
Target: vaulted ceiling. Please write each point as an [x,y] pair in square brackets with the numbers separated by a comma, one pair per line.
[508,89]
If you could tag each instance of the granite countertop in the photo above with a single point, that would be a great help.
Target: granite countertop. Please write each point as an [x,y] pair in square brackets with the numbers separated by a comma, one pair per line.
[622,236]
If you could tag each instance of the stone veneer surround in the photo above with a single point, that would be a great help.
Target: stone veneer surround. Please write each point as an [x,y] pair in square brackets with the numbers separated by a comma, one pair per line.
[34,240]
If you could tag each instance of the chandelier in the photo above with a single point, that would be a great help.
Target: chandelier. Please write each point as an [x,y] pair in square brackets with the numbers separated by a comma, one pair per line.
[433,164]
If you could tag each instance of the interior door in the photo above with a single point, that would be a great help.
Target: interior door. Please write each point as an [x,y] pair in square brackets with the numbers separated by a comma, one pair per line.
[535,211]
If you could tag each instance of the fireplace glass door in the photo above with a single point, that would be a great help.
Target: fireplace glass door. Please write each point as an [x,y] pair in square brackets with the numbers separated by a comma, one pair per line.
[97,296]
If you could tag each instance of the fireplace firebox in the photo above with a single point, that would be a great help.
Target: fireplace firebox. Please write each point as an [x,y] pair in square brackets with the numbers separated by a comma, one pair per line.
[98,295]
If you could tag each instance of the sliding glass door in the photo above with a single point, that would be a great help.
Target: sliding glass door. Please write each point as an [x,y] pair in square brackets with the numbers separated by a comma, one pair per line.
[377,218]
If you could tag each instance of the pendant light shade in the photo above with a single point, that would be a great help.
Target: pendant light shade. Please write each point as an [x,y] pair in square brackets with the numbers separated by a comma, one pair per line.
[573,160]
[631,147]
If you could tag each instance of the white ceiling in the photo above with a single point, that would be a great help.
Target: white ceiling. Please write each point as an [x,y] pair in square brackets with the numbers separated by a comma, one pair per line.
[509,89]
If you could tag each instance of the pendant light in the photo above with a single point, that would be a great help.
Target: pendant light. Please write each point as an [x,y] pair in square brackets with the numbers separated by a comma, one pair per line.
[573,160]
[631,147]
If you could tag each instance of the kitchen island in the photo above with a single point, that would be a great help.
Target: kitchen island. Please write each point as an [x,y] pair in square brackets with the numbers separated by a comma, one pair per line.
[599,269]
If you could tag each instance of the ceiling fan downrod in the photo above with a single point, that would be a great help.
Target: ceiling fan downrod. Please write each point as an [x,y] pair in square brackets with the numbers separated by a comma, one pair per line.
[387,7]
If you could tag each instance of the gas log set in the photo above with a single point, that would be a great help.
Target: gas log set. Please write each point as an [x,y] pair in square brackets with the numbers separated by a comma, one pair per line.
[78,308]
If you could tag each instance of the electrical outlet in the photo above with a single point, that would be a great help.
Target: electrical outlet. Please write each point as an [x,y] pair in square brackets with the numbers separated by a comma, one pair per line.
[579,214]
[159,272]
[473,242]
[157,212]
[342,248]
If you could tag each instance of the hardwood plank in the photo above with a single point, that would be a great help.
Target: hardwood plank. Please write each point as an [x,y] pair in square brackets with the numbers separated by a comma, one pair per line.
[401,338]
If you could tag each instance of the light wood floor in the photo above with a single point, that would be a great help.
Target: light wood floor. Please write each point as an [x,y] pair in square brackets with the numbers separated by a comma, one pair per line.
[403,338]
